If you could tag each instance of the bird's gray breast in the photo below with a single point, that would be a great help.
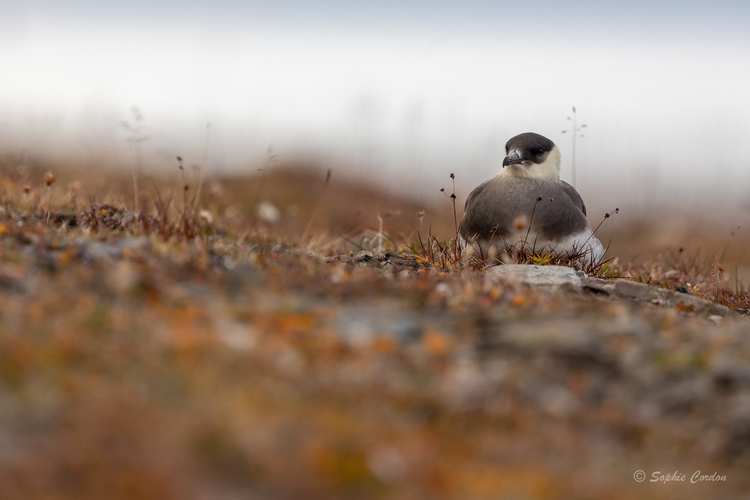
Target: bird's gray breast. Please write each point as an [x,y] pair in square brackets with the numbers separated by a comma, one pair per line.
[492,208]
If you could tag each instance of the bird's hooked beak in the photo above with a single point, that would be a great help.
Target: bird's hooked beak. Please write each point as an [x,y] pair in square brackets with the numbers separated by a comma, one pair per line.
[513,158]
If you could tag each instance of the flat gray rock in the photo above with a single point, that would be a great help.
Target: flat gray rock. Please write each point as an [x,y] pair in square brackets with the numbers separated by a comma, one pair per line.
[670,298]
[112,250]
[537,275]
[561,278]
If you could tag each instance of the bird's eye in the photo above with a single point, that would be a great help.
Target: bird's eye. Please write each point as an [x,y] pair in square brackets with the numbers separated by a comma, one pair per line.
[539,152]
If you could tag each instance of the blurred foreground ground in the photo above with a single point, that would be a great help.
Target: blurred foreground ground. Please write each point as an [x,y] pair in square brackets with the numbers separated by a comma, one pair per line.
[217,355]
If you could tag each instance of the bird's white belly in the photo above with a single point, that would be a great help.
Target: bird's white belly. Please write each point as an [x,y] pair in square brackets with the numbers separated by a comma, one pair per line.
[585,244]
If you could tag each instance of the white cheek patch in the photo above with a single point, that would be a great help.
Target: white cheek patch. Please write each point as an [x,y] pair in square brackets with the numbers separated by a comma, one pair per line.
[548,170]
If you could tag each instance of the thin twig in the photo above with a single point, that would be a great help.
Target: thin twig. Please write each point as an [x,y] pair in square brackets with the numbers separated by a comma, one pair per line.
[135,178]
[317,207]
[197,198]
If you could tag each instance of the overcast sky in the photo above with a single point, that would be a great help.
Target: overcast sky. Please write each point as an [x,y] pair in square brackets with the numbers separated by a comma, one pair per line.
[403,91]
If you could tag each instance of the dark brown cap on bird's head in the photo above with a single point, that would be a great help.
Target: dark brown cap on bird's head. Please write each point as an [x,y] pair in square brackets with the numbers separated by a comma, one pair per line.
[529,147]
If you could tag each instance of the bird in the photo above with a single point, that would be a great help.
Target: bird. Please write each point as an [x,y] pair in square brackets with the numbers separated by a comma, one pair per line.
[527,207]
